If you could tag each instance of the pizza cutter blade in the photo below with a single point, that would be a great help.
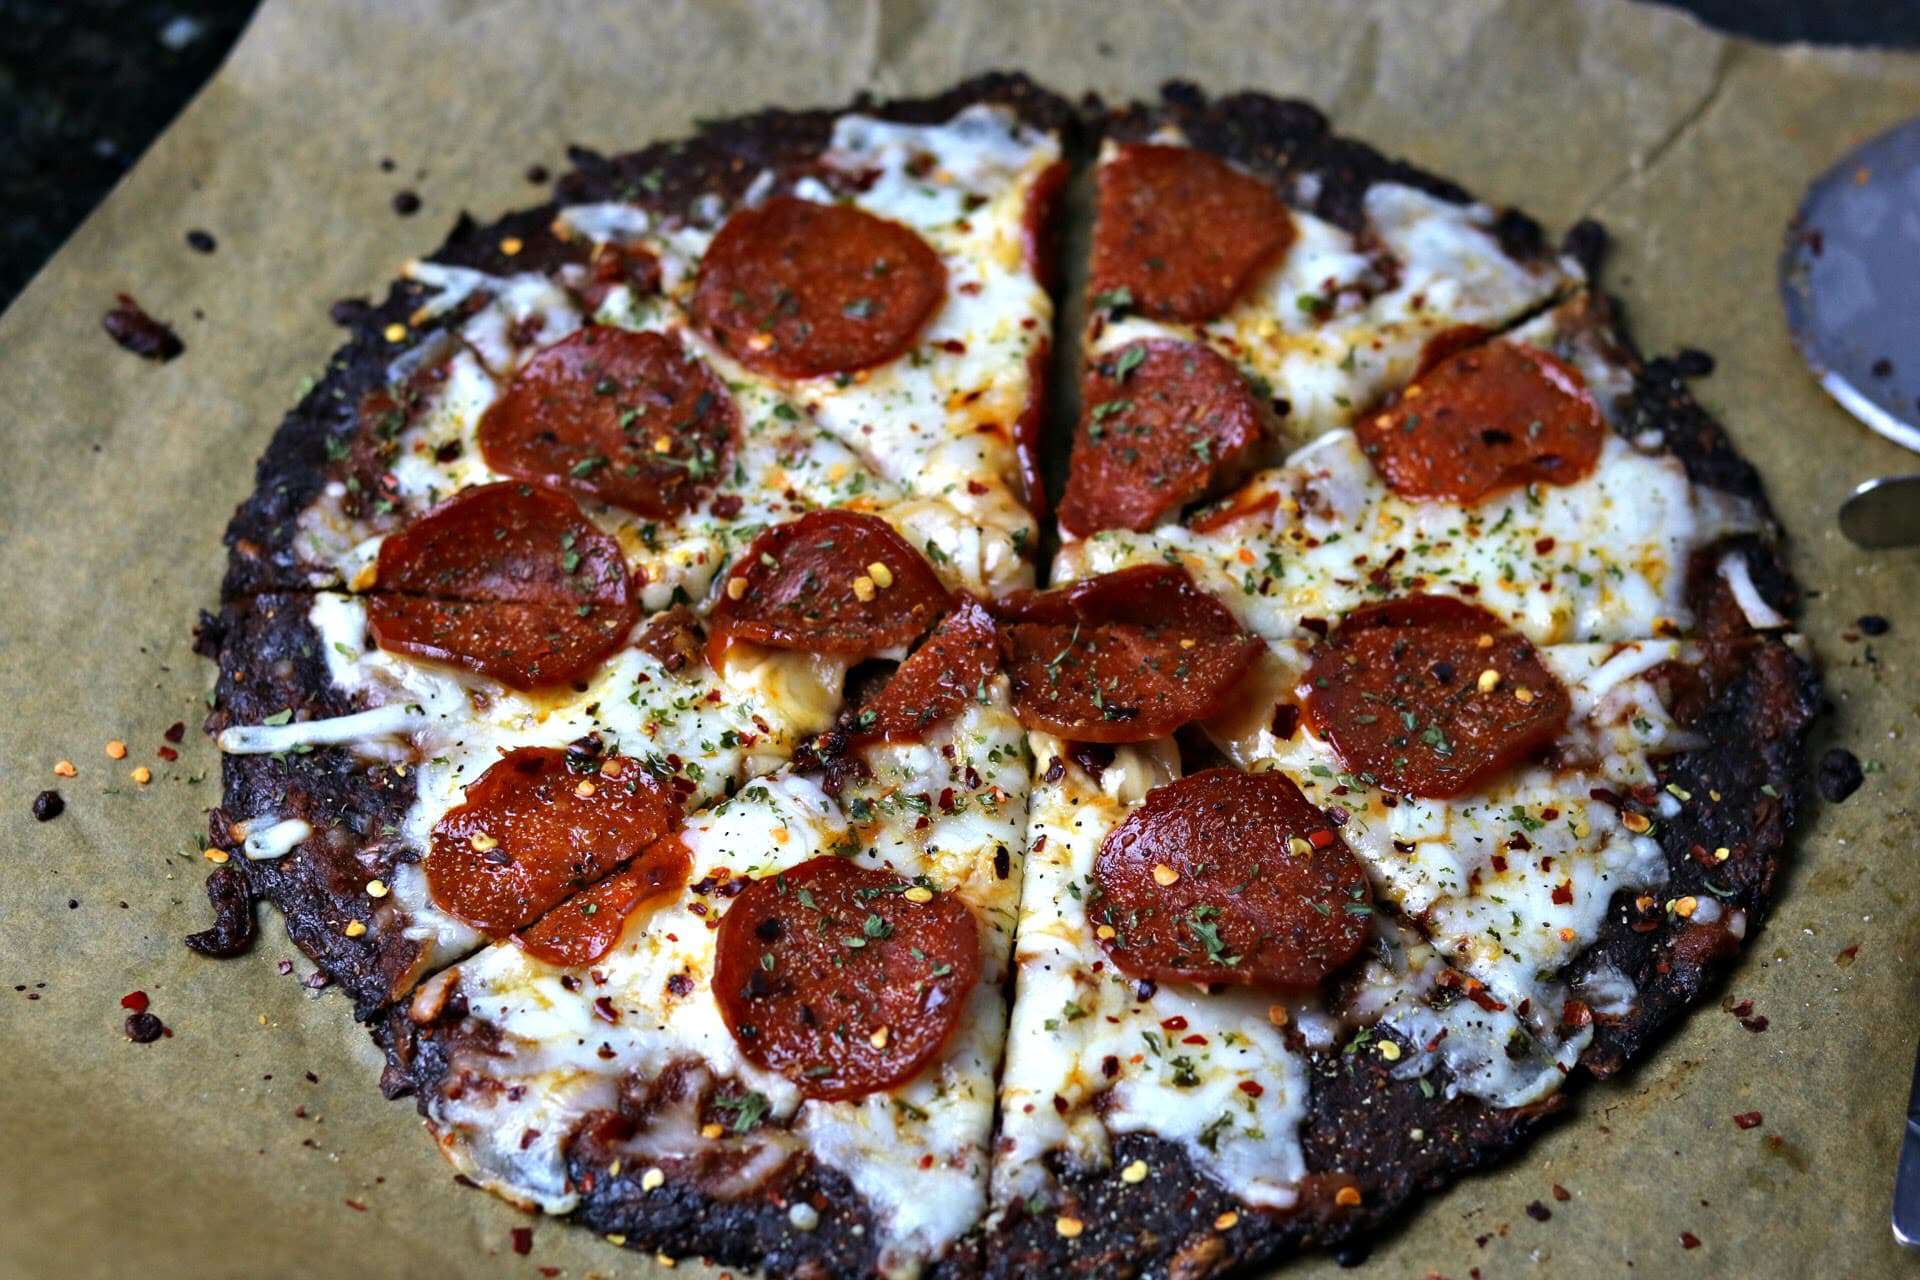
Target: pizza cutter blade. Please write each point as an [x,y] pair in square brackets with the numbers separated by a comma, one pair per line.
[1906,1185]
[1849,274]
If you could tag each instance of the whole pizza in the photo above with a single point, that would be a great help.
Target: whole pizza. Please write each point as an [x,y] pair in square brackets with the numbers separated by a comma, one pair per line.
[756,823]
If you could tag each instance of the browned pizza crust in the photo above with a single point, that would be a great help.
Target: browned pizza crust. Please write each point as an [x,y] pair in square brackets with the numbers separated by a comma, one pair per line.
[271,662]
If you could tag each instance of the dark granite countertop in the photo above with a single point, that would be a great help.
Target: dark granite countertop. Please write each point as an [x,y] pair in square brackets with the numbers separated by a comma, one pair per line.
[85,85]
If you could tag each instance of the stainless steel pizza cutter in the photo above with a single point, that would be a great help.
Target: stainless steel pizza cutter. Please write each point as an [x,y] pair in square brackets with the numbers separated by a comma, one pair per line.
[1850,278]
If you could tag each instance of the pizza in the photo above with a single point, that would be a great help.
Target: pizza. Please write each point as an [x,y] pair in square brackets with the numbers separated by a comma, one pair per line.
[783,783]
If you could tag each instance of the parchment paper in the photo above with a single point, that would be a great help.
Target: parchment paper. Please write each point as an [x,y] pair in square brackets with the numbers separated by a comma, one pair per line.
[212,1153]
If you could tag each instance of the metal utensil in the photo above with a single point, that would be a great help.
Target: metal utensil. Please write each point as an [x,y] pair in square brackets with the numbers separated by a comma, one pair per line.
[1849,276]
[1906,1183]
[1883,513]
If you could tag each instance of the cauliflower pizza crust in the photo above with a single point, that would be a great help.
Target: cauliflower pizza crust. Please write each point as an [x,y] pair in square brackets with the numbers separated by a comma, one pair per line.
[641,690]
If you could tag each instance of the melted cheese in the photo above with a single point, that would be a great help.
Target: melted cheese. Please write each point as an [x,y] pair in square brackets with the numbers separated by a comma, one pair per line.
[1603,559]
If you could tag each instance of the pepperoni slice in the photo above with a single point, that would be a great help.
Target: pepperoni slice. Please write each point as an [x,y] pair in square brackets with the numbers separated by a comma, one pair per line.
[1484,420]
[1230,877]
[830,975]
[1161,424]
[798,289]
[829,582]
[539,824]
[506,579]
[1429,696]
[629,418]
[949,669]
[582,929]
[1124,657]
[1183,233]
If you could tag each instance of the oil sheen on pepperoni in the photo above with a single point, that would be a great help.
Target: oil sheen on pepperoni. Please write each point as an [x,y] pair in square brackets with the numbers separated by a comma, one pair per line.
[1430,696]
[813,584]
[1484,420]
[798,289]
[1230,877]
[1124,657]
[831,976]
[506,579]
[585,927]
[537,826]
[633,419]
[950,669]
[1162,424]
[1182,232]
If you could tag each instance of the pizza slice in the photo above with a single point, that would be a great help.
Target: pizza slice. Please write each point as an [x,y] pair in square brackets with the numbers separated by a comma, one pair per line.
[784,1055]
[792,310]
[1256,281]
[563,497]
[1283,961]
[1548,475]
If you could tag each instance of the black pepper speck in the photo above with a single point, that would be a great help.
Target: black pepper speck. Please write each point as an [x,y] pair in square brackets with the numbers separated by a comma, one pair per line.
[48,805]
[201,241]
[144,1028]
[1872,624]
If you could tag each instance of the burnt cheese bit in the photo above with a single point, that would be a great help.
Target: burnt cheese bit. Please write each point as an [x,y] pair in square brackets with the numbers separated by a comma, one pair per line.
[48,805]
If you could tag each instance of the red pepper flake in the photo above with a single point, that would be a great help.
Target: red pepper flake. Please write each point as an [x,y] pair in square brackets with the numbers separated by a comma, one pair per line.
[1846,956]
[1748,1119]
[138,332]
[549,1272]
[356,1206]
[175,732]
[1175,1023]
[1539,1212]
[167,753]
[136,1001]
[603,1009]
[1688,1240]
[1561,1194]
[1251,1088]
[1756,1024]
[523,1240]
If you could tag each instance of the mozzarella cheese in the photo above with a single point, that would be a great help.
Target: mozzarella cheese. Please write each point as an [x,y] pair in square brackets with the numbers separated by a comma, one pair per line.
[917,1154]
[1603,559]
